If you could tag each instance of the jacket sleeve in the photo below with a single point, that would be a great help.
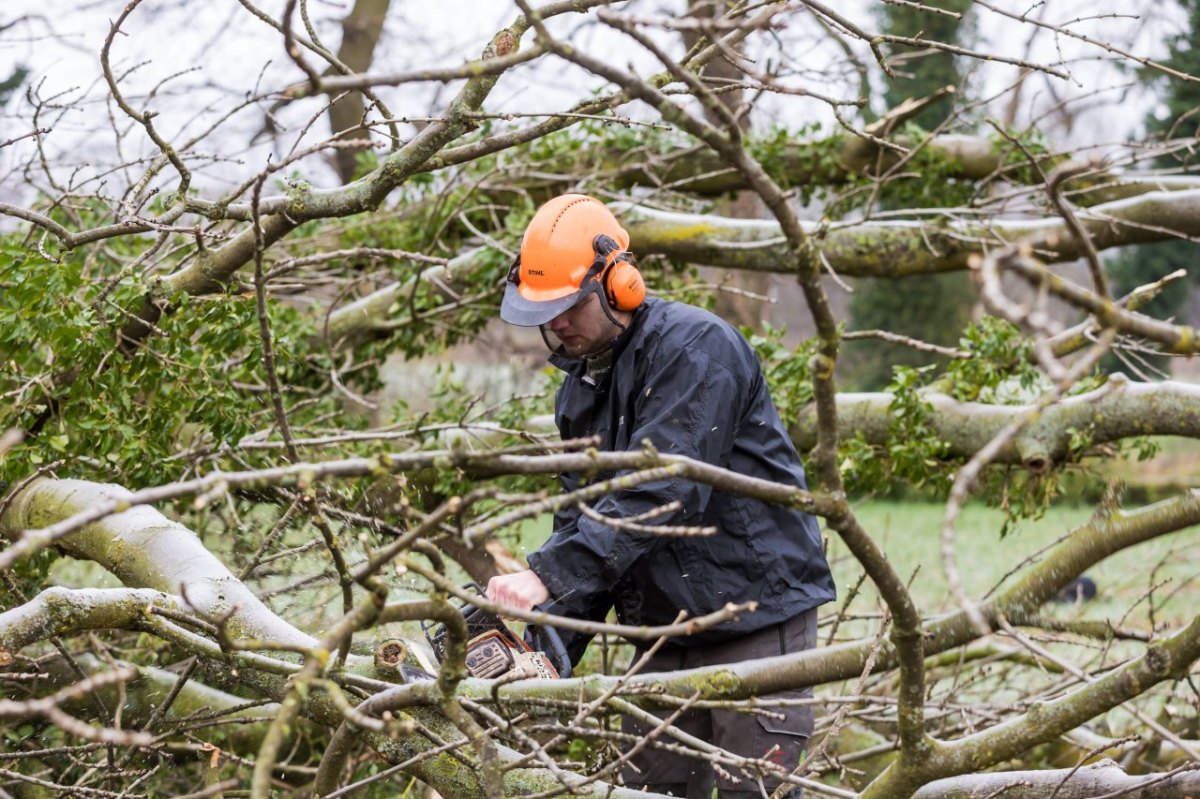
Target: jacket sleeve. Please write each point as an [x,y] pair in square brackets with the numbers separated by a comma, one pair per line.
[688,404]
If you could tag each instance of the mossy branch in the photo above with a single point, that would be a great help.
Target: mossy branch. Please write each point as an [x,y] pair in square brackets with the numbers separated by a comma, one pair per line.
[1110,413]
[904,248]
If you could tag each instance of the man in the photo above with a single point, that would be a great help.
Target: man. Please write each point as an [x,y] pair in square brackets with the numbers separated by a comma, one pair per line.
[642,369]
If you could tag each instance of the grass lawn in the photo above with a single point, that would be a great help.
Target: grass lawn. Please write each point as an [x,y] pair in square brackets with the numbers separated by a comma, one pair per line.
[910,535]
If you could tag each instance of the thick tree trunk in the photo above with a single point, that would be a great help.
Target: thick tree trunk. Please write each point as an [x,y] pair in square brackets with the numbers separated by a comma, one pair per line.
[361,30]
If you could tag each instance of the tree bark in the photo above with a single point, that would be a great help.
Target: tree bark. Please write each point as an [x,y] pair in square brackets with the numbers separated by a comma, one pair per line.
[869,249]
[361,30]
[901,249]
[155,556]
[1105,778]
[1117,411]
[145,549]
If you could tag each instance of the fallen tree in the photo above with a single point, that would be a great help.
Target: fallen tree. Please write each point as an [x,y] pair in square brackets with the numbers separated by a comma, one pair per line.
[221,534]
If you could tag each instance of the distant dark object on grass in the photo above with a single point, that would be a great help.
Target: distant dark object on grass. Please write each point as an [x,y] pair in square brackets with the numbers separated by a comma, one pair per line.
[1081,589]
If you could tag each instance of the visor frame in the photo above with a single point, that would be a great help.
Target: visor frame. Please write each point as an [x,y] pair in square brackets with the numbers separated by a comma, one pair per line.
[517,310]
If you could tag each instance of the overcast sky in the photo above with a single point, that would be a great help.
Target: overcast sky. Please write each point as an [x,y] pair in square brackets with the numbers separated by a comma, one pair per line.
[204,57]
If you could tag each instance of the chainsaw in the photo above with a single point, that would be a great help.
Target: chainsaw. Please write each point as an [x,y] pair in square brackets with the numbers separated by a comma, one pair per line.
[493,650]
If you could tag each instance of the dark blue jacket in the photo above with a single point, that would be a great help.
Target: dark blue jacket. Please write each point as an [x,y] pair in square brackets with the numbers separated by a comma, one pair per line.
[689,383]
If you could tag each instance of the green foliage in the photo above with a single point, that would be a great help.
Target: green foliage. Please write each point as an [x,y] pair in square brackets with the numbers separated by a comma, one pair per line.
[930,179]
[1019,493]
[912,456]
[365,162]
[31,574]
[785,369]
[915,453]
[1019,147]
[1000,370]
[196,383]
[1001,361]
[806,150]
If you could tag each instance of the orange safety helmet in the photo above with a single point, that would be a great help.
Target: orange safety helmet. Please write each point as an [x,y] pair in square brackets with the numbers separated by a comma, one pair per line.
[572,247]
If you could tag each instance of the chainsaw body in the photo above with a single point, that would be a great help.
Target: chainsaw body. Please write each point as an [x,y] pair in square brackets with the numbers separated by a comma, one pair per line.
[493,650]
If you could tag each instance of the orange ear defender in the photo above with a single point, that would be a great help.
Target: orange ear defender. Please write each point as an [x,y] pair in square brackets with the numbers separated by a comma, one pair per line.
[622,282]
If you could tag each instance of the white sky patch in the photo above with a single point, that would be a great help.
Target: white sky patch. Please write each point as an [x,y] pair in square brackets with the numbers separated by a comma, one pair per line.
[195,63]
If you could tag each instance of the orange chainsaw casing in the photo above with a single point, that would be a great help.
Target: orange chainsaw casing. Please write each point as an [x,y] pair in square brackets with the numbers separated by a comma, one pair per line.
[494,650]
[494,654]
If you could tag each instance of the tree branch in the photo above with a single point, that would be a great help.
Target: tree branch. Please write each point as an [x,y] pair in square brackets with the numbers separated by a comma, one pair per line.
[901,249]
[1105,778]
[1105,415]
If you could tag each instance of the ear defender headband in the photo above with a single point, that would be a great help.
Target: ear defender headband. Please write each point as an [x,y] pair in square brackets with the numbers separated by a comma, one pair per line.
[619,278]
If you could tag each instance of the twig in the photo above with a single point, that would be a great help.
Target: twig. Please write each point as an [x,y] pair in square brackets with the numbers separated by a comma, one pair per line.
[48,707]
[912,343]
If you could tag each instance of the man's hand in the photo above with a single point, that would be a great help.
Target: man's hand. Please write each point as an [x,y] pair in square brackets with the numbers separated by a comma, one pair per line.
[520,591]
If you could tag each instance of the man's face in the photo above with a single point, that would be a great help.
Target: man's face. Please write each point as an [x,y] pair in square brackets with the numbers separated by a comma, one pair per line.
[585,329]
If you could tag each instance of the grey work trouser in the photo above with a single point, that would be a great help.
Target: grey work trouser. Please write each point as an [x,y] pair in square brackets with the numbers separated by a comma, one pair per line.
[780,737]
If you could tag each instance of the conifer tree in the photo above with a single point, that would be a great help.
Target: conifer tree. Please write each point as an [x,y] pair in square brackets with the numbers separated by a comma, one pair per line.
[936,308]
[1177,117]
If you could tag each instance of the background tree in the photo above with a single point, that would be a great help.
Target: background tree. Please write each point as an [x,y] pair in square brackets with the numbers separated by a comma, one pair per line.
[1174,120]
[361,30]
[12,82]
[221,533]
[936,308]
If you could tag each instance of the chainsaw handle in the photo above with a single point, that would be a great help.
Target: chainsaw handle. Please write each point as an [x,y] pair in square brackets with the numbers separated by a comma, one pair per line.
[545,639]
